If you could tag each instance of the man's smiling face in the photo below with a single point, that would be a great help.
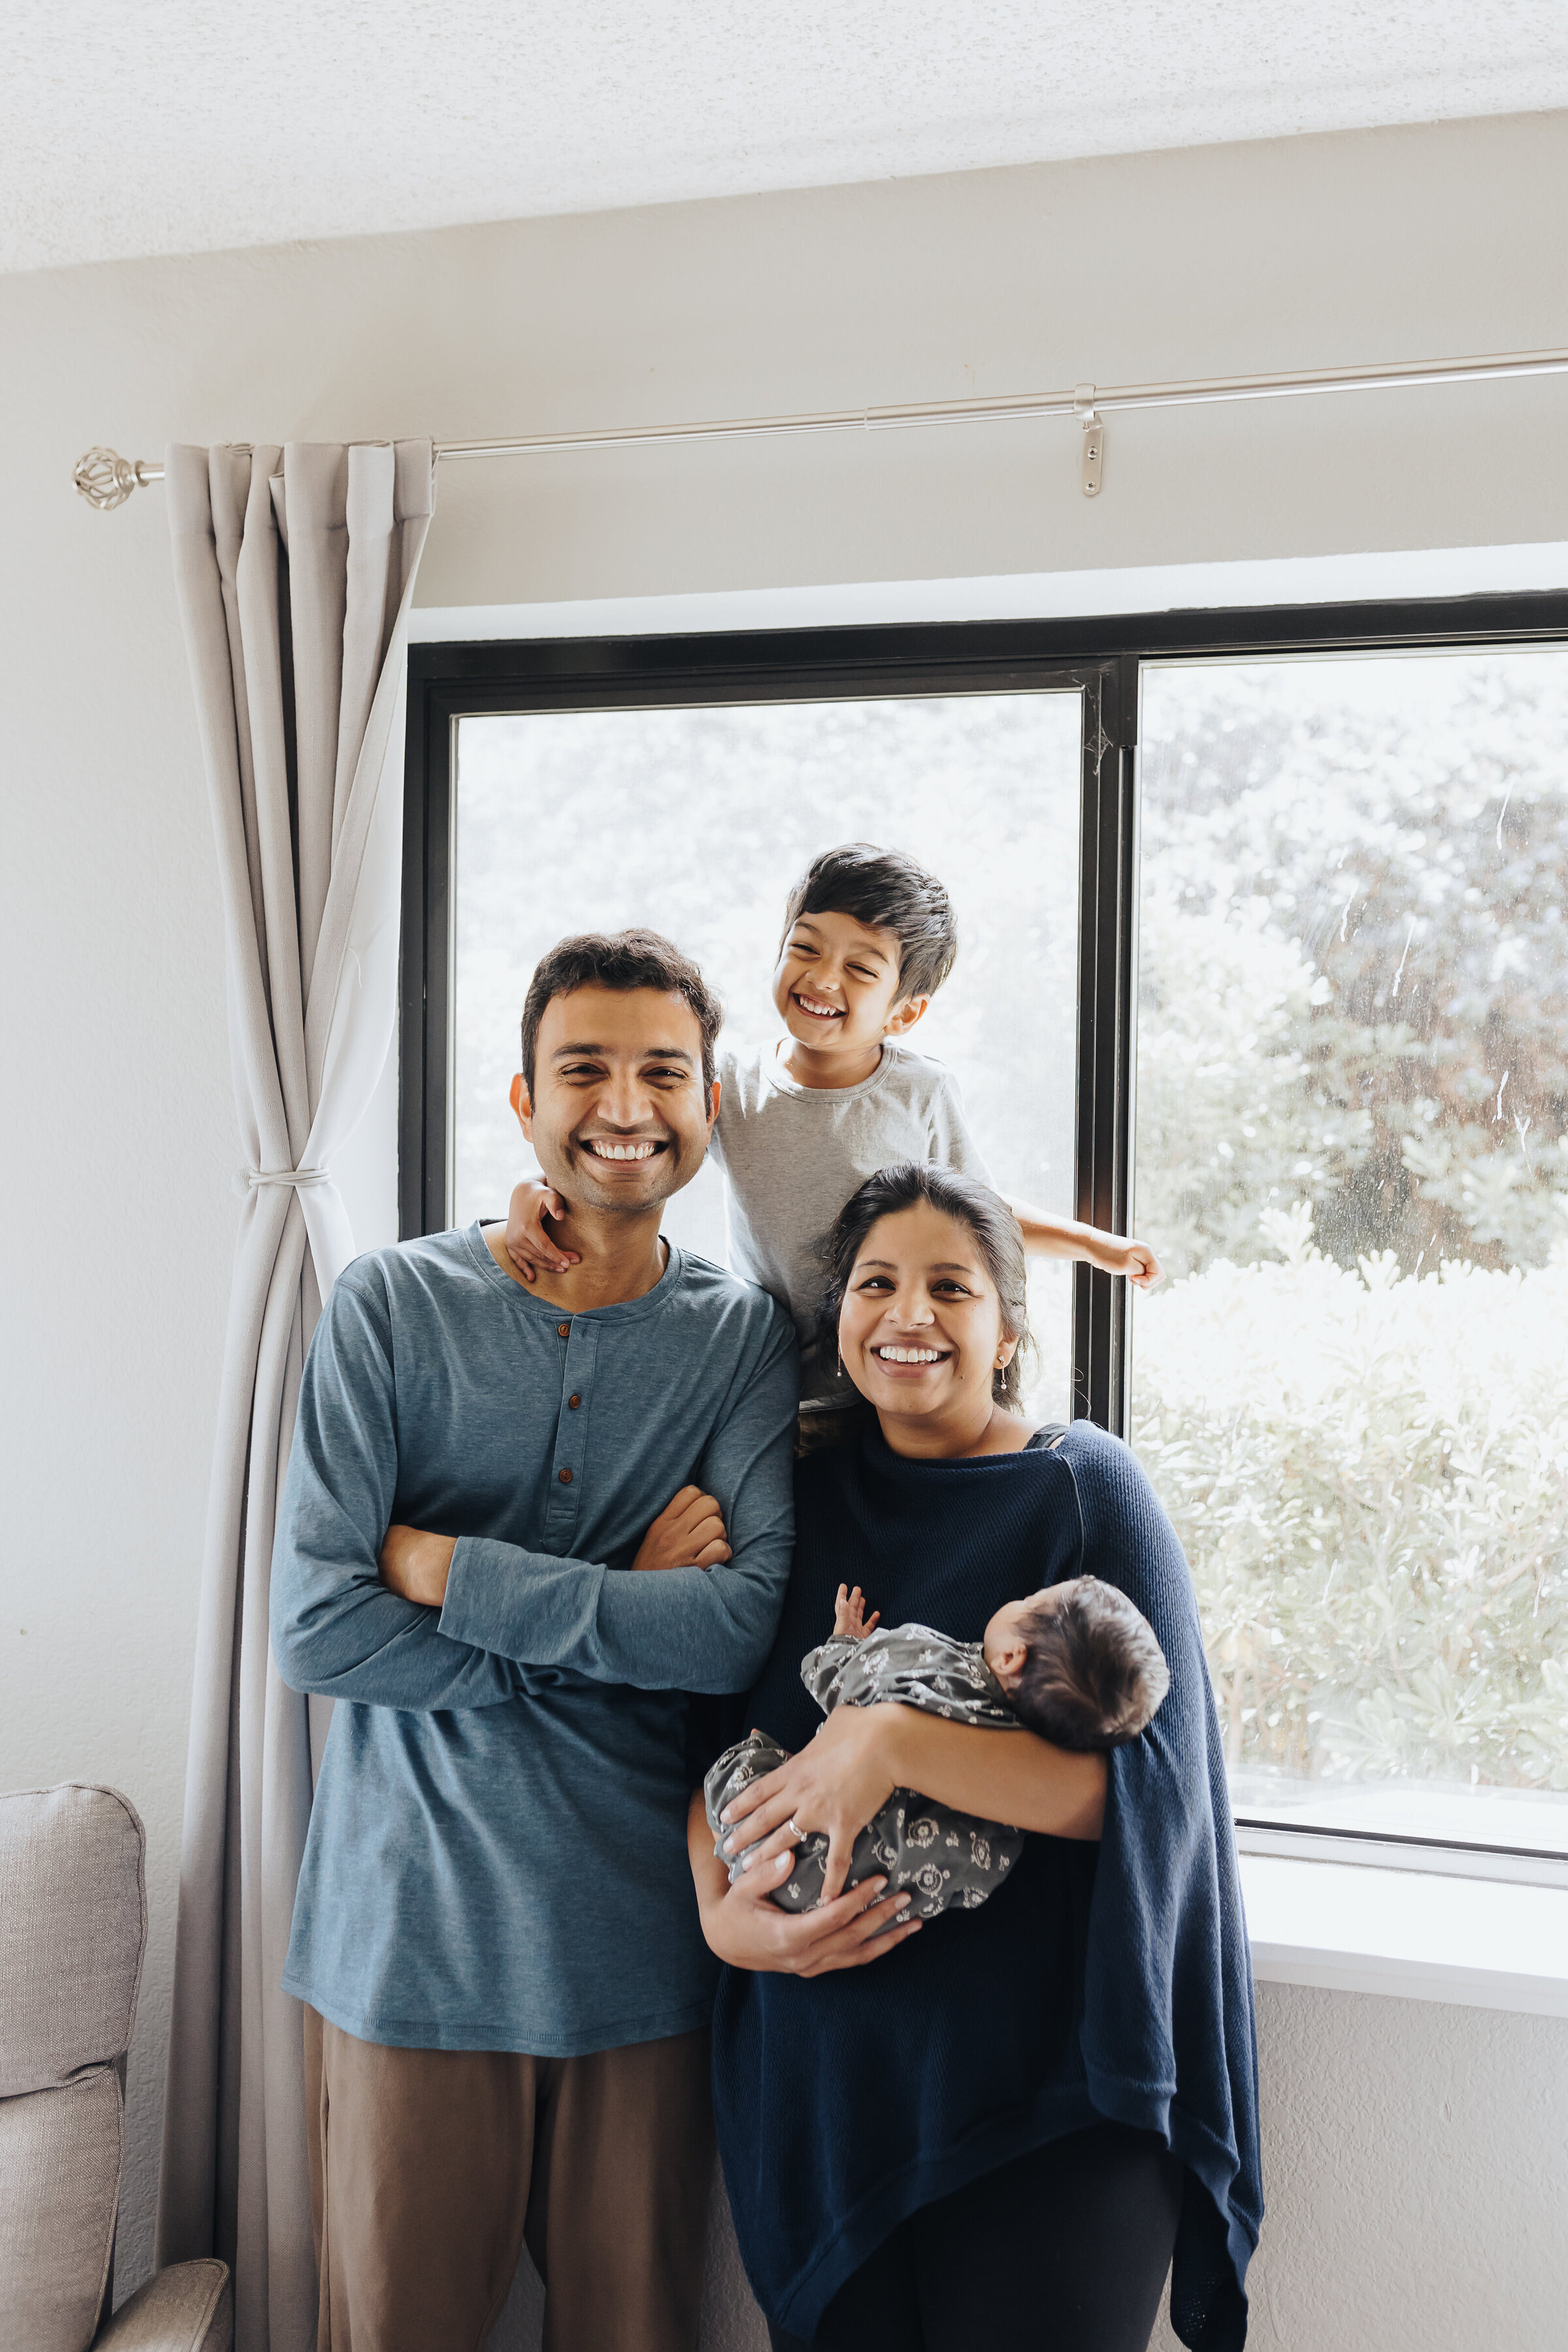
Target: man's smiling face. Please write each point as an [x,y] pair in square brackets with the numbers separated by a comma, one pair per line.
[619,1117]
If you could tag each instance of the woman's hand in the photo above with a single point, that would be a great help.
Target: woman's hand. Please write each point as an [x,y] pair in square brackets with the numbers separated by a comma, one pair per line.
[834,1786]
[744,1929]
[863,1753]
[415,1565]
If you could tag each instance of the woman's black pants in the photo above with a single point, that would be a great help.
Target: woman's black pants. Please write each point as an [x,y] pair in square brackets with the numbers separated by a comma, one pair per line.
[1066,2250]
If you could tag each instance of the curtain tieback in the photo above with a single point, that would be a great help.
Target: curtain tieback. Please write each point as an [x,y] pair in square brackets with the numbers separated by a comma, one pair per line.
[298,1177]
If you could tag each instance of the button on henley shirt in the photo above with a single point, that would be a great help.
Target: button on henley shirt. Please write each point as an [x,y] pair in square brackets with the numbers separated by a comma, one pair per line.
[496,1850]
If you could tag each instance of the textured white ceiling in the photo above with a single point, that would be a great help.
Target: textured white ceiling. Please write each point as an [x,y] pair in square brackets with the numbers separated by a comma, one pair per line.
[173,126]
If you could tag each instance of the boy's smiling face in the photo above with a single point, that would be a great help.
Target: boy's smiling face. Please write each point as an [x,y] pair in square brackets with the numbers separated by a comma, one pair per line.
[837,985]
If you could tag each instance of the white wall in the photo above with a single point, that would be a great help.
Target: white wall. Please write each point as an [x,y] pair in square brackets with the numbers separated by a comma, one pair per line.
[1394,2225]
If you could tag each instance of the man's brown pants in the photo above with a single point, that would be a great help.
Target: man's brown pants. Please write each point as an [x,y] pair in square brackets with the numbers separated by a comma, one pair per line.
[430,2168]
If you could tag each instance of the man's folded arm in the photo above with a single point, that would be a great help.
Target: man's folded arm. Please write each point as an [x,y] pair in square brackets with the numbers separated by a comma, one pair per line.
[677,1628]
[336,1628]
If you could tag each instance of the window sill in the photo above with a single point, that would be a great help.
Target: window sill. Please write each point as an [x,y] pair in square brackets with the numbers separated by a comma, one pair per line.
[1484,1944]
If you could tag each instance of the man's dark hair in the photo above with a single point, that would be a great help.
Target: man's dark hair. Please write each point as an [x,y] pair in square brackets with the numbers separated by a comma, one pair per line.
[887,891]
[904,1185]
[621,960]
[1095,1673]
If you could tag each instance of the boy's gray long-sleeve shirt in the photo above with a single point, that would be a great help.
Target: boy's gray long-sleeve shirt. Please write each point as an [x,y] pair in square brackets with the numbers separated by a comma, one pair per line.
[496,1850]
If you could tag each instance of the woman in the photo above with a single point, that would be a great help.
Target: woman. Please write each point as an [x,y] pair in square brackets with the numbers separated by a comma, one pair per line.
[995,2129]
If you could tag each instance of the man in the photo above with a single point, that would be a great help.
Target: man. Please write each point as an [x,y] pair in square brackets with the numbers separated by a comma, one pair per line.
[520,1521]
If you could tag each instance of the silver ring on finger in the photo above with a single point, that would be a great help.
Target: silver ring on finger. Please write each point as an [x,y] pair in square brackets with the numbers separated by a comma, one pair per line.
[795,1831]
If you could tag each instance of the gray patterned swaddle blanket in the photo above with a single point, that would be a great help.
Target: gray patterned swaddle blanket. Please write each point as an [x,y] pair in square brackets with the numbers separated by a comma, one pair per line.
[944,1860]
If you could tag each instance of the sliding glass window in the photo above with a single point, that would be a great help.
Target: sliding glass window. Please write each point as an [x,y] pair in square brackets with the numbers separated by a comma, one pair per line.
[694,819]
[1352,1146]
[1284,989]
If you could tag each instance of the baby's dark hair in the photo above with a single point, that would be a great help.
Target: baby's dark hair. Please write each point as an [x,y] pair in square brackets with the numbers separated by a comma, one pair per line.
[887,891]
[1095,1673]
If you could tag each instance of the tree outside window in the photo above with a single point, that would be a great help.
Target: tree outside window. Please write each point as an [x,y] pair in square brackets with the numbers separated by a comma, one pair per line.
[1352,1146]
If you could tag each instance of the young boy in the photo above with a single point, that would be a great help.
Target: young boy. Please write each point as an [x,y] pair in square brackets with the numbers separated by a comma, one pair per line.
[1076,1662]
[869,939]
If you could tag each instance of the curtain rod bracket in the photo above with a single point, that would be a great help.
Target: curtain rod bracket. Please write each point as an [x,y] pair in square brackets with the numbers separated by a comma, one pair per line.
[1093,457]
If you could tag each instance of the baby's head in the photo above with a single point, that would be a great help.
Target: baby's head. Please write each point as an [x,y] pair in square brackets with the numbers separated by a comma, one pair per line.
[869,939]
[1079,1664]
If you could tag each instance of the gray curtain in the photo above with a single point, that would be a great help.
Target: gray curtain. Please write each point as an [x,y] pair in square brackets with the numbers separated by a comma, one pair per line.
[295,572]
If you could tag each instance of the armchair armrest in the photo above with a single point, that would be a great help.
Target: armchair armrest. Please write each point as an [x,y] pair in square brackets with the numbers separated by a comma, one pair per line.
[187,2308]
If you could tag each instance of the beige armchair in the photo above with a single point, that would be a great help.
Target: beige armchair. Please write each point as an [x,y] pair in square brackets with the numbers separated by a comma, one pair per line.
[73,1925]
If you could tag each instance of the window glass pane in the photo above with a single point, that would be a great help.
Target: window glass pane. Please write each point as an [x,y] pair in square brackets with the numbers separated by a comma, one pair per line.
[696,821]
[1353,1155]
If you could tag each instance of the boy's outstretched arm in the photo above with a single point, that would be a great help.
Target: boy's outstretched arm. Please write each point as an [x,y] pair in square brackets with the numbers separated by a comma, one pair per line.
[1050,1237]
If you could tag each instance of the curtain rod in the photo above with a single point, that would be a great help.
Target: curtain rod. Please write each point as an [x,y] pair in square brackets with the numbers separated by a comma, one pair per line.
[106,479]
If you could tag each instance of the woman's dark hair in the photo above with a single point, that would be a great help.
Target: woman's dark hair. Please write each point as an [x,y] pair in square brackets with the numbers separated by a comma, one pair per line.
[990,1220]
[1095,1673]
[887,891]
[620,959]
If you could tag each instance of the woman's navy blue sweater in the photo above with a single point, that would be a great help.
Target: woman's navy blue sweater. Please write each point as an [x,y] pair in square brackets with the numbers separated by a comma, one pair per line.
[1100,1981]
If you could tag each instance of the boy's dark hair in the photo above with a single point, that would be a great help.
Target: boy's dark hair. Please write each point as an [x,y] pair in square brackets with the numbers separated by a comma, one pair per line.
[621,960]
[1095,1673]
[990,1220]
[887,891]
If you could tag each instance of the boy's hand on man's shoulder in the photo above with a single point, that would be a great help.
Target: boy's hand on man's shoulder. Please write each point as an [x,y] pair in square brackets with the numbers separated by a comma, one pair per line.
[525,1241]
[689,1532]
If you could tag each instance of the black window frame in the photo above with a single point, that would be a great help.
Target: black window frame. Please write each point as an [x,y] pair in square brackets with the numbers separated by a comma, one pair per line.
[1102,657]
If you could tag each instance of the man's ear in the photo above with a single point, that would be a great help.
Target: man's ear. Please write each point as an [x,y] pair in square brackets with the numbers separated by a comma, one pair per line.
[714,1092]
[904,1016]
[519,1098]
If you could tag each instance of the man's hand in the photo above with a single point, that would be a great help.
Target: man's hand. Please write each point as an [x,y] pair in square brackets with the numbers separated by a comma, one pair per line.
[850,1622]
[416,1566]
[744,1928]
[526,1242]
[688,1533]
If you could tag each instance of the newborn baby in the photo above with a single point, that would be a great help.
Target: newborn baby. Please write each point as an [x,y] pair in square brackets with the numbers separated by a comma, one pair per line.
[1076,1663]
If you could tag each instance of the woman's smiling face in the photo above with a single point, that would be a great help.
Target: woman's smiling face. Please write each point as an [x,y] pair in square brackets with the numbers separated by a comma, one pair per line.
[921,1331]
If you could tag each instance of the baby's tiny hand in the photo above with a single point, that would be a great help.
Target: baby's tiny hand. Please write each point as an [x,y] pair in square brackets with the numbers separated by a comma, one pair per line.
[850,1622]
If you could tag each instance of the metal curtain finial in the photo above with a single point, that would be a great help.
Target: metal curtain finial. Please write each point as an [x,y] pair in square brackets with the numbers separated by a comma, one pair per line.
[1093,426]
[105,479]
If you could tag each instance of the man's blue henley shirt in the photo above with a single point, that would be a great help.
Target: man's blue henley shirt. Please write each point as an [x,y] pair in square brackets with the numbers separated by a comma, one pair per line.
[497,1850]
